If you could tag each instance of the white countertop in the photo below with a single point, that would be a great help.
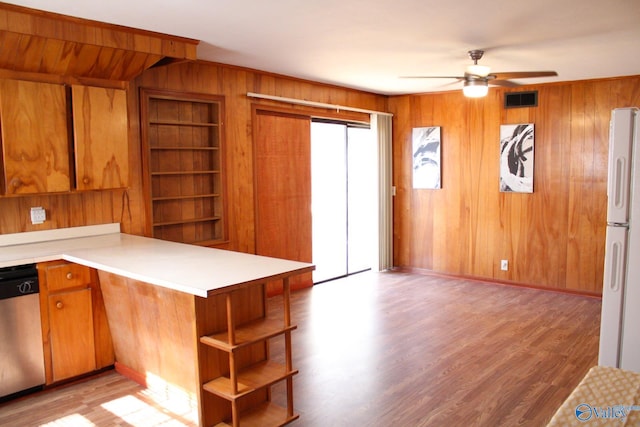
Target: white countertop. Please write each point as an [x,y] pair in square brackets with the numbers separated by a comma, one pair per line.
[187,268]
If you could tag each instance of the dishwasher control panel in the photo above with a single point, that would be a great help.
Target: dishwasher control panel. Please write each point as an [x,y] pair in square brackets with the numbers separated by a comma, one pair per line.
[18,280]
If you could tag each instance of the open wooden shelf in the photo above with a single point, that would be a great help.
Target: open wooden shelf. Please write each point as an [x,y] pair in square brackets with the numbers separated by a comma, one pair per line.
[184,163]
[255,375]
[186,221]
[178,147]
[247,334]
[193,172]
[266,414]
[184,197]
[181,123]
[250,379]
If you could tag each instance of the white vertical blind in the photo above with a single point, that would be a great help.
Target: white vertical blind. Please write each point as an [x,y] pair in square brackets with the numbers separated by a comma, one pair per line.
[381,126]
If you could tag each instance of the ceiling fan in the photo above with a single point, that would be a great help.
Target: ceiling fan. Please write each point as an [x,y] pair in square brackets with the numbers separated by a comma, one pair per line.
[478,77]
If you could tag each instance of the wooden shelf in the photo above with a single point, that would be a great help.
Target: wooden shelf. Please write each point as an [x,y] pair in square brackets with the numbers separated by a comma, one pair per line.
[261,373]
[175,148]
[204,172]
[250,333]
[266,414]
[183,158]
[250,379]
[181,123]
[187,221]
[193,196]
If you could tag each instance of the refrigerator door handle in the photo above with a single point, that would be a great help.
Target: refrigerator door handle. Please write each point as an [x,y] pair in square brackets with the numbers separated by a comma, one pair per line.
[620,144]
[618,184]
[617,265]
[615,275]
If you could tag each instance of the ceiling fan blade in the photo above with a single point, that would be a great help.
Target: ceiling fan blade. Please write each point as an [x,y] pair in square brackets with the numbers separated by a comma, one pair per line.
[503,83]
[433,77]
[523,74]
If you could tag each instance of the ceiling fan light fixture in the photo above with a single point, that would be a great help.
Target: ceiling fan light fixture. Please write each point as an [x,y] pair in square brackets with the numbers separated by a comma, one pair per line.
[475,88]
[478,70]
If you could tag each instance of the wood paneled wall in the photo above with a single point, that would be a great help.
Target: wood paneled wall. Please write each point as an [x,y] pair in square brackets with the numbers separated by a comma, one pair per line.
[552,238]
[234,83]
[128,207]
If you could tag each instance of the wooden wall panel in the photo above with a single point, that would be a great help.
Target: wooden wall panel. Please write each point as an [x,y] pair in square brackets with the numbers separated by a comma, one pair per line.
[552,238]
[128,206]
[233,83]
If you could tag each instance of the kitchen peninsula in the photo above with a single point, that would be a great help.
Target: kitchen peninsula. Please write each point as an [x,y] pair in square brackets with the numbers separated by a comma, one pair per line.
[187,320]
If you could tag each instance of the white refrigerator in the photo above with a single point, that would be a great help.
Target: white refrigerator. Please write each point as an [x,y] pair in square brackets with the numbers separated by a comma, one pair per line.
[620,320]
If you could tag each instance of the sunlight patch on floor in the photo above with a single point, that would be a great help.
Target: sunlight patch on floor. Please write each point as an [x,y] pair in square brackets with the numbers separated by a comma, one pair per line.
[135,412]
[73,420]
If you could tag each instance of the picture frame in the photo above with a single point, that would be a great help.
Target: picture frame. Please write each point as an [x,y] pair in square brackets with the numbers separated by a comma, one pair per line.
[426,158]
[517,143]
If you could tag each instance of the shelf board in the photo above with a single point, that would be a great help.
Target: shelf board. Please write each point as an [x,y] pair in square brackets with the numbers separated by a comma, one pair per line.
[203,172]
[180,123]
[175,148]
[267,414]
[194,196]
[250,379]
[247,334]
[208,242]
[187,221]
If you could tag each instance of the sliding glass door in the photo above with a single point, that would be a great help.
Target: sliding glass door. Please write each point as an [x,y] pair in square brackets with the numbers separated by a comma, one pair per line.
[343,191]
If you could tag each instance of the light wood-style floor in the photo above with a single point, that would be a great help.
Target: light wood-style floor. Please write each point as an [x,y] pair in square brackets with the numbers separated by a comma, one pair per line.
[389,349]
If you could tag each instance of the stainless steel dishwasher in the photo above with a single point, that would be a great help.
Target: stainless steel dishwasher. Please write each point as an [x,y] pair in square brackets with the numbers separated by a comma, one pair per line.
[21,354]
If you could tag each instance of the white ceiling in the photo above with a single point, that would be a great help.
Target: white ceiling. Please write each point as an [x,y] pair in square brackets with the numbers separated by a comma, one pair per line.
[369,44]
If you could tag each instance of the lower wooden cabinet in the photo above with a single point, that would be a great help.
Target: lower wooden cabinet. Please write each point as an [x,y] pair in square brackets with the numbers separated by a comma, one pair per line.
[71,334]
[75,331]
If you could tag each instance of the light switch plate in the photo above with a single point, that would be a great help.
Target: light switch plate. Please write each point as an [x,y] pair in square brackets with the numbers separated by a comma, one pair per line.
[38,215]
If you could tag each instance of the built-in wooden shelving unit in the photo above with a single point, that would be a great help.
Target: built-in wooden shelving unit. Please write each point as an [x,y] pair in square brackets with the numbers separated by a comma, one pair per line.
[183,144]
[243,381]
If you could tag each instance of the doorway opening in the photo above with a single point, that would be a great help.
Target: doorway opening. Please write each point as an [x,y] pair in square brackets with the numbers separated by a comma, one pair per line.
[343,199]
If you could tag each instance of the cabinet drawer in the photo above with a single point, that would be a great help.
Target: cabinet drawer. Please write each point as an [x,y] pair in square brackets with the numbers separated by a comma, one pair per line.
[67,276]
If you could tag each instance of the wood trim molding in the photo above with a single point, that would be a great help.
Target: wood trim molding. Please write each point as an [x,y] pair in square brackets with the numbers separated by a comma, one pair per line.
[130,373]
[490,281]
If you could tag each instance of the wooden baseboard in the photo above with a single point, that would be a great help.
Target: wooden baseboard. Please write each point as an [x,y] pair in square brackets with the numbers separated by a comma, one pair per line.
[135,376]
[426,272]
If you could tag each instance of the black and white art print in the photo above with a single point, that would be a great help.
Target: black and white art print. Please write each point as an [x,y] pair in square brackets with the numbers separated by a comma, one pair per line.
[516,158]
[426,157]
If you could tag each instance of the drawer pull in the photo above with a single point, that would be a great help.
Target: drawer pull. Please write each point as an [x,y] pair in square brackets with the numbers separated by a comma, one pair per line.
[69,275]
[59,304]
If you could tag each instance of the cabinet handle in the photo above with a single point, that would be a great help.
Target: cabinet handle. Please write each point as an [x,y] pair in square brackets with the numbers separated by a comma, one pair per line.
[69,275]
[59,304]
[16,183]
[86,180]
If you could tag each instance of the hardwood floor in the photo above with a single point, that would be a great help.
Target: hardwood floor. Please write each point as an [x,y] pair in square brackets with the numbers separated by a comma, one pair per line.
[390,349]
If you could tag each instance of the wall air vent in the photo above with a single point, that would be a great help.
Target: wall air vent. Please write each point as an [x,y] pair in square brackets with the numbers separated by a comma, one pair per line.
[521,99]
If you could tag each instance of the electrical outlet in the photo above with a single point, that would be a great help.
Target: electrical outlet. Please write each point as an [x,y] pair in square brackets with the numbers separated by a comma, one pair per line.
[38,215]
[504,265]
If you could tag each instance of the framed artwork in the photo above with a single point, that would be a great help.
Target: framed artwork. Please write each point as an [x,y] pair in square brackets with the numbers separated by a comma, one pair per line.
[426,157]
[516,158]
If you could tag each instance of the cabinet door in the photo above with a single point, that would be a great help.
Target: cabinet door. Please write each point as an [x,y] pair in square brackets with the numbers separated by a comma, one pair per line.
[101,137]
[35,139]
[72,339]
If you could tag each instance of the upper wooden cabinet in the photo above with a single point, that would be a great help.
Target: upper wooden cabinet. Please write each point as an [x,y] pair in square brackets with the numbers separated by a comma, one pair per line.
[38,147]
[35,142]
[100,133]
